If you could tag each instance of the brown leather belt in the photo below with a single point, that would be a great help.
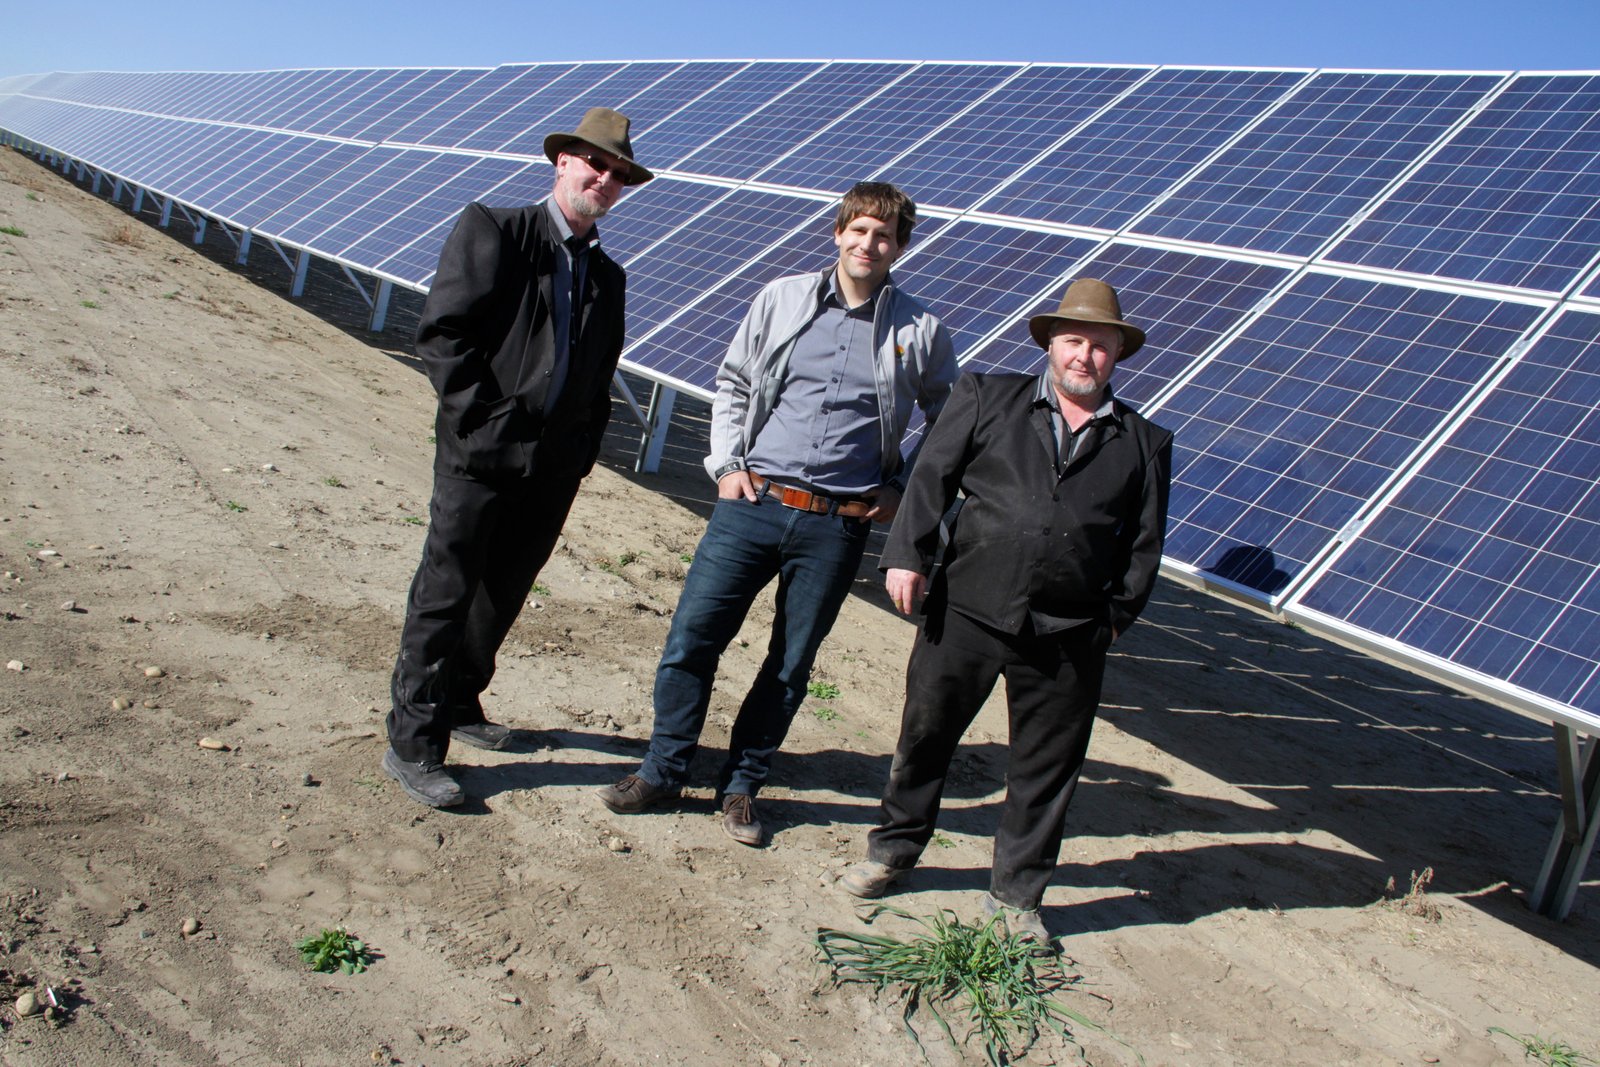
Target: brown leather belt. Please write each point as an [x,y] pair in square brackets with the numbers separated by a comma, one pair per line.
[815,503]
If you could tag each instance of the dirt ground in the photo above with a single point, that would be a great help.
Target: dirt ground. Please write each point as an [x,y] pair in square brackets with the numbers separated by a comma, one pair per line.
[201,476]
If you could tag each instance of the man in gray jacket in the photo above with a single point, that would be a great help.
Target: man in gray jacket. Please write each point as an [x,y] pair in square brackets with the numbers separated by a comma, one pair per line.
[812,401]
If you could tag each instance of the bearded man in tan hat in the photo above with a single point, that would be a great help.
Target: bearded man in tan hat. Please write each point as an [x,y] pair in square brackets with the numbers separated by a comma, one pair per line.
[1052,556]
[520,336]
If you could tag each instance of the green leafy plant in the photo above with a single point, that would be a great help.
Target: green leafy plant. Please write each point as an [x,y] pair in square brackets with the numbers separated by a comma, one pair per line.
[823,690]
[234,505]
[415,520]
[941,841]
[630,556]
[1007,991]
[370,782]
[540,589]
[332,481]
[13,231]
[825,714]
[1545,1050]
[685,557]
[33,196]
[334,950]
[87,304]
[170,296]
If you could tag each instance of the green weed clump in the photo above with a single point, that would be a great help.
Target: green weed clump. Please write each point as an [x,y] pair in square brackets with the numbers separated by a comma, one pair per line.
[1545,1050]
[334,950]
[1006,987]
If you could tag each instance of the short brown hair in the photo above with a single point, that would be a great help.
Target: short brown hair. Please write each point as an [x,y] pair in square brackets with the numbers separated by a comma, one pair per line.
[879,200]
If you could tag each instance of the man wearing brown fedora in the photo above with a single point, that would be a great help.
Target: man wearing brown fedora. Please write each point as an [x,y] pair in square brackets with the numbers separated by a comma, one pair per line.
[520,335]
[1051,557]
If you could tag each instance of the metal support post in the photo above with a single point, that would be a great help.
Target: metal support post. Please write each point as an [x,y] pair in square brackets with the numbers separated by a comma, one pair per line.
[1574,838]
[200,230]
[302,266]
[138,198]
[244,248]
[380,306]
[657,421]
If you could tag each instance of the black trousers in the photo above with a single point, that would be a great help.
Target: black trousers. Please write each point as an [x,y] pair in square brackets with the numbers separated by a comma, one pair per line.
[486,543]
[1052,692]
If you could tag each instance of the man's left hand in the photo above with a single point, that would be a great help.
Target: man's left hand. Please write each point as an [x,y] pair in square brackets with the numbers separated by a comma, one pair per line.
[885,502]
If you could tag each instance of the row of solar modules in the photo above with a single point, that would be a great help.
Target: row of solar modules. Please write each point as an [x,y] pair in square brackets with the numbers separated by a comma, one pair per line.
[1355,444]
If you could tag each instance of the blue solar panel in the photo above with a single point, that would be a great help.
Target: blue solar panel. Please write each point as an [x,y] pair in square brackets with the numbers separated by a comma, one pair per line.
[1116,165]
[1285,434]
[405,86]
[677,90]
[613,91]
[315,164]
[790,118]
[465,107]
[1299,176]
[521,118]
[673,274]
[1185,302]
[857,145]
[1490,557]
[316,218]
[650,212]
[661,145]
[1512,199]
[1005,130]
[331,96]
[690,347]
[385,123]
[356,99]
[386,248]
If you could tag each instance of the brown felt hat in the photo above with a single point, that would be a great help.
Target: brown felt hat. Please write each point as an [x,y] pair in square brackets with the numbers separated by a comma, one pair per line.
[606,130]
[1088,300]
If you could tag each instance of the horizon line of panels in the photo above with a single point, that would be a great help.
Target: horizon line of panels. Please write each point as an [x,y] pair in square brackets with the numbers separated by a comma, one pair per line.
[1513,198]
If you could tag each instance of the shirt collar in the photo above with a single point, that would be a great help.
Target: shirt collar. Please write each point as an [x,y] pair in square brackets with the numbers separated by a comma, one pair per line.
[830,292]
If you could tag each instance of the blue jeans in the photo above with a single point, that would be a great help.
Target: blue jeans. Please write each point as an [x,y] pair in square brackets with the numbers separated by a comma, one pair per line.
[746,545]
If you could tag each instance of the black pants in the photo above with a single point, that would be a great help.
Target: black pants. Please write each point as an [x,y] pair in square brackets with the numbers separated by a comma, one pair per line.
[485,545]
[1052,692]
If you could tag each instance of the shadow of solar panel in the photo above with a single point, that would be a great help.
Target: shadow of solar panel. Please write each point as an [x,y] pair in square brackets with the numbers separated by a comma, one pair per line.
[1291,182]
[1352,375]
[1511,199]
[1116,165]
[1489,558]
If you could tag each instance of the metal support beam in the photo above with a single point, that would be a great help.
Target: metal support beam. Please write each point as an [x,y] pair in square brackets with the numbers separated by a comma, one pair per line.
[116,191]
[199,228]
[138,198]
[94,186]
[244,248]
[166,211]
[1574,838]
[380,306]
[302,265]
[659,419]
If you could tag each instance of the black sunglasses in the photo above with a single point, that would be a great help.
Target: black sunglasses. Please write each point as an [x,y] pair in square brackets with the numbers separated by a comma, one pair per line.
[619,170]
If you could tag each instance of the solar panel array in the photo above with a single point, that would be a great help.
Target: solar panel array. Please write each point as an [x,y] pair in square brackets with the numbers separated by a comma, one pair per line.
[1373,298]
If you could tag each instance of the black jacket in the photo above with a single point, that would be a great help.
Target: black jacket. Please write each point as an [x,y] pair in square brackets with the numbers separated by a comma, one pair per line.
[486,340]
[1084,545]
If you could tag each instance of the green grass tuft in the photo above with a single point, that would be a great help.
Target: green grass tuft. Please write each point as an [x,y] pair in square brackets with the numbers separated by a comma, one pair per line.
[1545,1050]
[1006,989]
[334,950]
[13,231]
[823,690]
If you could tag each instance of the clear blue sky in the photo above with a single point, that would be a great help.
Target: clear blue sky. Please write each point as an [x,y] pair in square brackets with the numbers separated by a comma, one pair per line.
[44,35]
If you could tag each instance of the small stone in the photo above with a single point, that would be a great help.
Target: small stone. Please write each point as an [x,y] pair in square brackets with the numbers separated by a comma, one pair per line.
[151,704]
[69,605]
[48,553]
[119,704]
[154,672]
[191,926]
[306,779]
[510,998]
[275,544]
[269,467]
[10,575]
[227,470]
[771,1059]
[212,744]
[616,844]
[28,1004]
[64,776]
[16,665]
[96,548]
[278,842]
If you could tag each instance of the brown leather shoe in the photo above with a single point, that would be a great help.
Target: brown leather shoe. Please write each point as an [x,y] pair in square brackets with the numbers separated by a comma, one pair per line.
[633,795]
[869,879]
[739,819]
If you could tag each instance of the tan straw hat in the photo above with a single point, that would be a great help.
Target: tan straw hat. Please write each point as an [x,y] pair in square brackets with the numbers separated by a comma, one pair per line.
[606,130]
[1088,300]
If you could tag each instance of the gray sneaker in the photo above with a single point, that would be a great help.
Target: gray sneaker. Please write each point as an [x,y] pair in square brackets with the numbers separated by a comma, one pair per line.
[427,781]
[633,795]
[490,735]
[1026,924]
[868,879]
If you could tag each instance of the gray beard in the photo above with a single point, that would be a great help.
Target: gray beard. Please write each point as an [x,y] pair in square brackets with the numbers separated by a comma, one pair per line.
[581,207]
[1064,385]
